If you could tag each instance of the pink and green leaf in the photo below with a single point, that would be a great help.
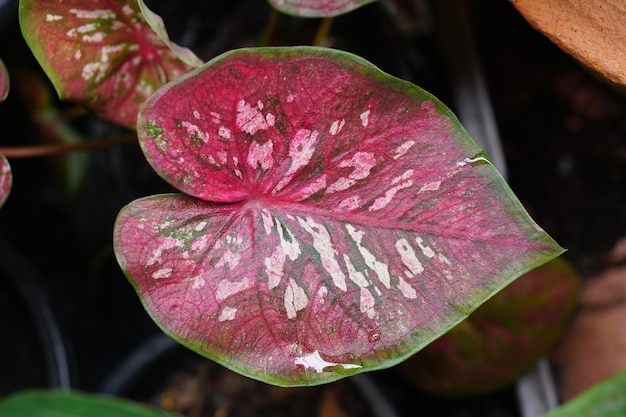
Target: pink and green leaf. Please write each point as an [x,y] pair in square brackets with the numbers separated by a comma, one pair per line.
[156,23]
[336,219]
[4,81]
[6,179]
[99,53]
[317,8]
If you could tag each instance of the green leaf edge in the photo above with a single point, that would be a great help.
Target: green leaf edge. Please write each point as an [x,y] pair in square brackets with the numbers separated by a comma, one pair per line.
[59,403]
[360,65]
[605,399]
[156,23]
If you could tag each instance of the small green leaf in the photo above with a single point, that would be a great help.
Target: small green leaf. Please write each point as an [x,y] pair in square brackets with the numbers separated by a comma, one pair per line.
[39,403]
[606,399]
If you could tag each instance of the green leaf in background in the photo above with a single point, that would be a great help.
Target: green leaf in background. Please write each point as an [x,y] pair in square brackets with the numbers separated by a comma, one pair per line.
[40,403]
[606,399]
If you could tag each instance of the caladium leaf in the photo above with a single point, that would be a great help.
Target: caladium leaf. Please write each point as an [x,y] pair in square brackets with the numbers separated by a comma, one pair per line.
[156,23]
[4,81]
[337,219]
[99,53]
[317,8]
[6,179]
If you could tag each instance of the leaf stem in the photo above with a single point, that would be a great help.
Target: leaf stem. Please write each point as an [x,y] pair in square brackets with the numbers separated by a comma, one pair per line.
[270,28]
[322,31]
[49,150]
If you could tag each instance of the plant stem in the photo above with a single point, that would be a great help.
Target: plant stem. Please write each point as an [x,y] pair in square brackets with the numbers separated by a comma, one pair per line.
[268,32]
[49,150]
[322,32]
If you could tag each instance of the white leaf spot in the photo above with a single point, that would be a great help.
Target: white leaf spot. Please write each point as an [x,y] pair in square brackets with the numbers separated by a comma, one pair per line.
[336,126]
[268,222]
[249,119]
[53,17]
[196,114]
[406,289]
[162,273]
[381,269]
[93,14]
[322,243]
[426,250]
[350,203]
[355,276]
[198,282]
[382,202]
[367,303]
[322,293]
[314,361]
[365,118]
[408,257]
[227,288]
[301,150]
[311,188]
[261,155]
[340,185]
[194,131]
[227,313]
[295,299]
[403,149]
[167,244]
[431,186]
[224,132]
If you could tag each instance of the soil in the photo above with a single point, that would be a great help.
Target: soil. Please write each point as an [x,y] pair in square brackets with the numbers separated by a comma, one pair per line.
[563,132]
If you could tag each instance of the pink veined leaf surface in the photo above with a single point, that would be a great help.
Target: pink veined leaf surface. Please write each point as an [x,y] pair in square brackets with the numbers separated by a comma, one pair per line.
[335,219]
[317,8]
[100,53]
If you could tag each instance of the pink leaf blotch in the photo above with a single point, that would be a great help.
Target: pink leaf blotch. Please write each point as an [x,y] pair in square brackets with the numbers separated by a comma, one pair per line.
[337,219]
[317,8]
[6,178]
[101,53]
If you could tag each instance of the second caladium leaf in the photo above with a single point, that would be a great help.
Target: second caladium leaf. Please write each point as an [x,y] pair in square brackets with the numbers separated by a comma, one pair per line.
[317,8]
[6,178]
[337,219]
[99,53]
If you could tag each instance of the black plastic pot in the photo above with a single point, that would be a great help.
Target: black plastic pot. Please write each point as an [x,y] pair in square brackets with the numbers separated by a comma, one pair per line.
[37,336]
[143,374]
